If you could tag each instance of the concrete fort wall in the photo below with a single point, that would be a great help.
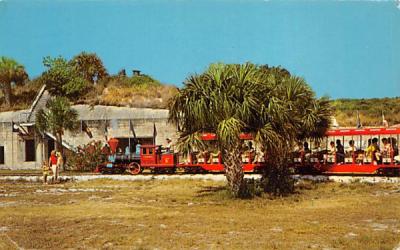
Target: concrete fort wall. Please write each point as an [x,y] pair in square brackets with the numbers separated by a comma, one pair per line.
[14,149]
[121,129]
[18,156]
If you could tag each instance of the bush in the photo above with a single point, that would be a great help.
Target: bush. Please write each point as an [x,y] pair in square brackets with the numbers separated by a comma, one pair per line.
[87,158]
[277,179]
[251,188]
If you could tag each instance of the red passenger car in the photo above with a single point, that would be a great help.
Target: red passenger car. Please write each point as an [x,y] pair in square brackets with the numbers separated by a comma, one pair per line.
[353,151]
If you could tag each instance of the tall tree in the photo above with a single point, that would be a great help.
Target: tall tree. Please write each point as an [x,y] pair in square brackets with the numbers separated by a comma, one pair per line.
[278,109]
[62,79]
[57,117]
[89,66]
[11,72]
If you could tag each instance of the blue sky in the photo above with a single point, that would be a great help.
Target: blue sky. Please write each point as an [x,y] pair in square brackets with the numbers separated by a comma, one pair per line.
[342,48]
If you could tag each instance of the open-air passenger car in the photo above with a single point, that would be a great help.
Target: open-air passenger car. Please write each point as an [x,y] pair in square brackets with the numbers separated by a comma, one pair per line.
[354,151]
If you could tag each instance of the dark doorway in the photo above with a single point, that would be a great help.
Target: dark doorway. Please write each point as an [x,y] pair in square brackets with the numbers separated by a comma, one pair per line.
[30,152]
[1,154]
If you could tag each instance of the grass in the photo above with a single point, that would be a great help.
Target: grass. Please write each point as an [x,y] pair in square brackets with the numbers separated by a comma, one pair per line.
[144,96]
[196,214]
[13,172]
[20,171]
[370,111]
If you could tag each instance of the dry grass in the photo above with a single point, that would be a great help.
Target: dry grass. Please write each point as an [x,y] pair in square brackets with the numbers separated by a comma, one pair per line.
[138,96]
[196,214]
[112,93]
[22,97]
[370,111]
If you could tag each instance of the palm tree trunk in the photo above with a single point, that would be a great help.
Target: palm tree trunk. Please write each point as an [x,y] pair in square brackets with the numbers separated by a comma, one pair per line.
[277,178]
[233,170]
[7,93]
[58,142]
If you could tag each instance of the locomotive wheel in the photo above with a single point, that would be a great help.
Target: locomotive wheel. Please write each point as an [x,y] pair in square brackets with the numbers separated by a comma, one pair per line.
[134,168]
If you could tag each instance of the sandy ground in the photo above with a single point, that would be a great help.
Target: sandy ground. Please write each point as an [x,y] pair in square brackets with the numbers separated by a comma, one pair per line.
[196,214]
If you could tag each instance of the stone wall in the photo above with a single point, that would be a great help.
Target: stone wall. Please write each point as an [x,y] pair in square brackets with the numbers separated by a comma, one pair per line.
[143,121]
[121,129]
[14,149]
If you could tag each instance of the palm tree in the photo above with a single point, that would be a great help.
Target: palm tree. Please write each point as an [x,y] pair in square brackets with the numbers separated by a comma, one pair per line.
[57,117]
[10,72]
[278,109]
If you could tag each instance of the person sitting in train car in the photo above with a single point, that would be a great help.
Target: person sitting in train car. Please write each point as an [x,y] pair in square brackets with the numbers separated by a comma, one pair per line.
[350,152]
[351,148]
[127,152]
[298,153]
[307,151]
[137,148]
[168,147]
[214,157]
[259,155]
[396,157]
[395,148]
[372,152]
[332,148]
[378,155]
[331,154]
[248,153]
[317,147]
[387,149]
[339,152]
[201,157]
[316,152]
[243,154]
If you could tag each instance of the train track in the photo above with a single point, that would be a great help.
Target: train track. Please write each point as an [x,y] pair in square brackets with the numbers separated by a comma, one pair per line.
[214,177]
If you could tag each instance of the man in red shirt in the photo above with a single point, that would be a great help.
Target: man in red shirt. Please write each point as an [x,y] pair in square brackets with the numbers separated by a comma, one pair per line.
[53,164]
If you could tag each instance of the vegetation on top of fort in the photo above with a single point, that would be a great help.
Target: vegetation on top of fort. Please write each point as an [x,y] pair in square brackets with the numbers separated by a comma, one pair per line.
[84,80]
[370,111]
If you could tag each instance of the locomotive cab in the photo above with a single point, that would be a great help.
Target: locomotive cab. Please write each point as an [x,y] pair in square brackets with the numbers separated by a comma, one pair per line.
[151,155]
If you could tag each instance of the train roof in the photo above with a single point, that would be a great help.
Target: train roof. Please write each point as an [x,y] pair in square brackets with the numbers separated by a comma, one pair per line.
[363,131]
[213,137]
[332,132]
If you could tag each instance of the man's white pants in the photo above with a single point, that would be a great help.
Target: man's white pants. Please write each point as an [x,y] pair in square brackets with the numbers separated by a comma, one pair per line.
[54,168]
